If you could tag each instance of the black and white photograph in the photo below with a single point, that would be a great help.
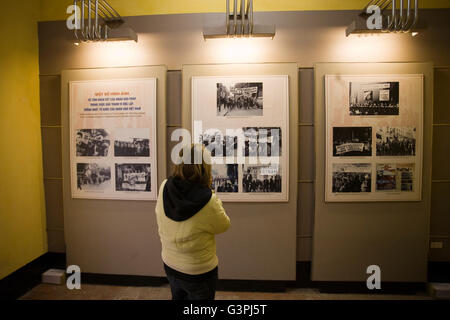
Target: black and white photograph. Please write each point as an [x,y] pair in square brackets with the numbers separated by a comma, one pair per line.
[352,141]
[396,141]
[225,178]
[386,177]
[240,99]
[262,141]
[93,177]
[219,145]
[405,173]
[133,177]
[132,142]
[92,143]
[352,178]
[261,178]
[375,98]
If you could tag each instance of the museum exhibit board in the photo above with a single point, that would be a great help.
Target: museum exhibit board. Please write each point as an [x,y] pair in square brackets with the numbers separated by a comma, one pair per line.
[392,235]
[374,132]
[249,239]
[253,167]
[113,139]
[130,144]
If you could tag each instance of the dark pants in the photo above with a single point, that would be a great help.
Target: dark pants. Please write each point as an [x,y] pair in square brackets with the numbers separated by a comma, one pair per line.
[193,289]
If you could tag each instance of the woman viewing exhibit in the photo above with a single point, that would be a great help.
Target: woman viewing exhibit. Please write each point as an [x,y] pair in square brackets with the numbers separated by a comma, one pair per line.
[189,215]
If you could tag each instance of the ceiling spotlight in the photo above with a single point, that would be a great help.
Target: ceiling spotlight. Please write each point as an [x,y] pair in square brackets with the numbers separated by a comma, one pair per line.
[98,21]
[239,24]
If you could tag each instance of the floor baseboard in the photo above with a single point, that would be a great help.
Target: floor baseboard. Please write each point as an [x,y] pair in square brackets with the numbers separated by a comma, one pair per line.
[21,281]
[439,272]
[26,278]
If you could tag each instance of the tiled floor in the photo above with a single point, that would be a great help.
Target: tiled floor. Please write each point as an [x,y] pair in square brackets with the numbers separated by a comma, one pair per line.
[106,292]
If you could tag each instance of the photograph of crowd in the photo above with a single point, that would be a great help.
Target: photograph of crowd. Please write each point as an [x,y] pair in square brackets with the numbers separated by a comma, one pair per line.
[377,98]
[240,99]
[132,142]
[352,178]
[261,178]
[386,177]
[225,178]
[135,148]
[262,141]
[133,177]
[92,143]
[219,145]
[352,141]
[396,141]
[93,176]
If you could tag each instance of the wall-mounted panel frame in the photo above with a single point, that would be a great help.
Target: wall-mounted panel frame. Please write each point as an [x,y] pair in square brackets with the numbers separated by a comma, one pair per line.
[120,236]
[349,237]
[253,167]
[113,150]
[374,137]
[262,236]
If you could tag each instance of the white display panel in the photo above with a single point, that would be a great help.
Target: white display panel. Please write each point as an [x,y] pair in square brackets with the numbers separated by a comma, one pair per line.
[374,134]
[113,139]
[256,167]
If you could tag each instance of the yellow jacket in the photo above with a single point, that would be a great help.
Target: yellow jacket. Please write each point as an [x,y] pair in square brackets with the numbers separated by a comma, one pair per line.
[189,246]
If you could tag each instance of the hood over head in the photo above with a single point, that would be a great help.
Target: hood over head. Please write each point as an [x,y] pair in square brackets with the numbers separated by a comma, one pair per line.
[183,199]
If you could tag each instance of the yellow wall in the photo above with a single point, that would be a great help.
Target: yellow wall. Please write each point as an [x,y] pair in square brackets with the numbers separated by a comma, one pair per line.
[56,9]
[22,207]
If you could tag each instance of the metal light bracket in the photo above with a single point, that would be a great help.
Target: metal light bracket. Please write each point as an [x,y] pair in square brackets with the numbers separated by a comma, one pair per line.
[239,25]
[100,22]
[393,20]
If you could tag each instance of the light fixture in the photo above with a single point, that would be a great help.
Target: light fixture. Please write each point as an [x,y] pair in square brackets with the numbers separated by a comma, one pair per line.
[98,21]
[239,25]
[393,20]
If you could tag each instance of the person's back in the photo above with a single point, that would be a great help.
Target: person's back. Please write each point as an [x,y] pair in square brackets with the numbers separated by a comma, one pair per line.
[189,215]
[188,218]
